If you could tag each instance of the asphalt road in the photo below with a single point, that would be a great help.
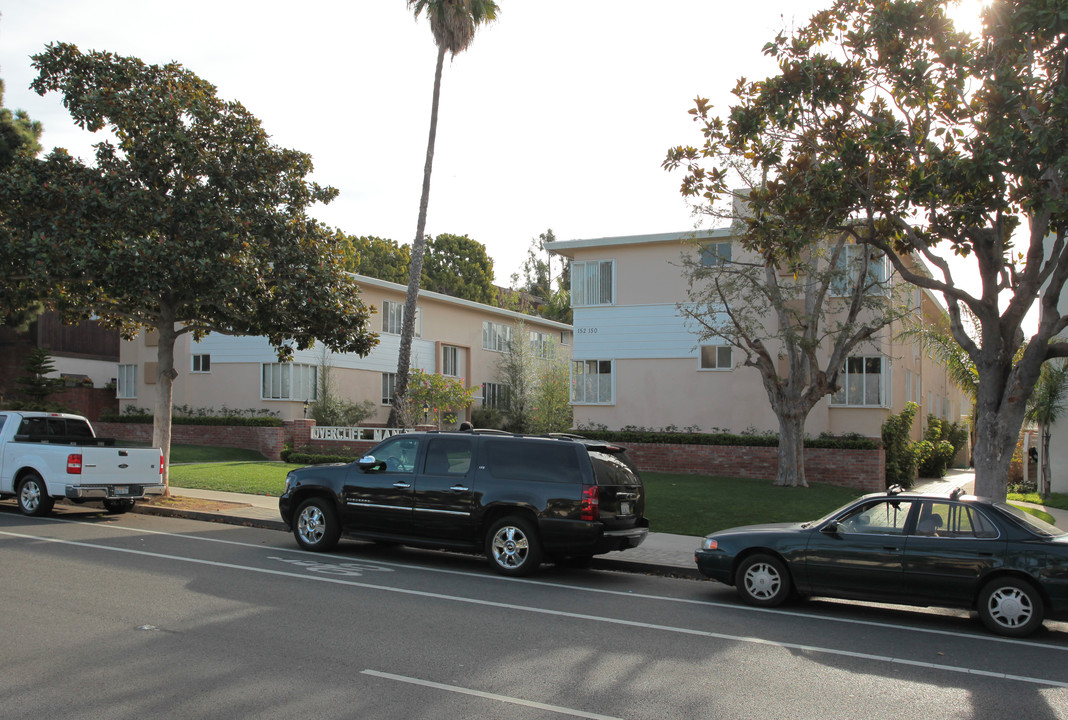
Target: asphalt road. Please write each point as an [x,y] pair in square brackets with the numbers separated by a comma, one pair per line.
[146,617]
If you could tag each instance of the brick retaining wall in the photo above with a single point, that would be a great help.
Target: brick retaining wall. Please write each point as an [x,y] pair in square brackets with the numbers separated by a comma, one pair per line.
[860,469]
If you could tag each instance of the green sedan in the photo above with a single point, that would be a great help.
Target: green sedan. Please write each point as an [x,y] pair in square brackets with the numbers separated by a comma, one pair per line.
[913,549]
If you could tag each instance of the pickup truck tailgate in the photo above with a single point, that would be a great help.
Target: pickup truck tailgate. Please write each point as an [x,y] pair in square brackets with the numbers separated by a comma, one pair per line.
[109,472]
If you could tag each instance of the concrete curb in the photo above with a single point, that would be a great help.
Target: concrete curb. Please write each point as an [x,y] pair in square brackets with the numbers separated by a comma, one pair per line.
[215,517]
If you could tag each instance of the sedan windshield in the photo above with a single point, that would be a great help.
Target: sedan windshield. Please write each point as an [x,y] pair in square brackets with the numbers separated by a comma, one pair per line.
[1032,523]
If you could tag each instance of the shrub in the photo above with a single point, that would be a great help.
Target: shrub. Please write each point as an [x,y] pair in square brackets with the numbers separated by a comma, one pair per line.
[900,457]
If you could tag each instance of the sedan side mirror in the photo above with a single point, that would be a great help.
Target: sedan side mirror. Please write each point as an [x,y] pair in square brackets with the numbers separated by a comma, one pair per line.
[830,528]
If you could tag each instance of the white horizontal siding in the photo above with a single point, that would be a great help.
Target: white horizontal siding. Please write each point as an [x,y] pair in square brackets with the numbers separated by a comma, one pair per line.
[632,332]
[383,358]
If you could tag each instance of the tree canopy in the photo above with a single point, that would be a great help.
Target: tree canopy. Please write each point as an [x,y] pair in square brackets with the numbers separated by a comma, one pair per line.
[458,266]
[932,143]
[376,257]
[189,222]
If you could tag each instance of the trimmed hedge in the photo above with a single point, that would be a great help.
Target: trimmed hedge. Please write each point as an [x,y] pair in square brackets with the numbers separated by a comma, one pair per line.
[625,436]
[299,458]
[207,420]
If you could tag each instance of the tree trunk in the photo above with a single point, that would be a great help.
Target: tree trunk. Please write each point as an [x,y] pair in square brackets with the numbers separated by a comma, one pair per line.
[415,271]
[1045,472]
[791,450]
[165,374]
[997,429]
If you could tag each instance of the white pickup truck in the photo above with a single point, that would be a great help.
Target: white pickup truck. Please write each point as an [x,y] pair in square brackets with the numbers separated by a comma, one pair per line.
[49,456]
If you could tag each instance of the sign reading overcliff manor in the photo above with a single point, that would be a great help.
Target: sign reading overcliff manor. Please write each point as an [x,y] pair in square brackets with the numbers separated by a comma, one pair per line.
[349,434]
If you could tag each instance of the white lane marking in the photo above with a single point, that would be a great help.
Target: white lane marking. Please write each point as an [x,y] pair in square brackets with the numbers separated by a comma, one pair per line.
[559,613]
[490,696]
[956,634]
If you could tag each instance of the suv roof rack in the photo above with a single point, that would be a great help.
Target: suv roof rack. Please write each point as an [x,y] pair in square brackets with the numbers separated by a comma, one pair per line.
[895,490]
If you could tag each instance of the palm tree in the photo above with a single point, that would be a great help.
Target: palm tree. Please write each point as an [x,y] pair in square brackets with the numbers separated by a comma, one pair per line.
[453,23]
[1045,407]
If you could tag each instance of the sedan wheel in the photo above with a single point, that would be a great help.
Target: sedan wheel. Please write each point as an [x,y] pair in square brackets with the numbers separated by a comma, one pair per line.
[512,546]
[763,580]
[316,526]
[1012,607]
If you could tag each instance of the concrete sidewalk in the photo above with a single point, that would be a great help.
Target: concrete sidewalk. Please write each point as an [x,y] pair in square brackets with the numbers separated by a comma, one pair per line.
[660,554]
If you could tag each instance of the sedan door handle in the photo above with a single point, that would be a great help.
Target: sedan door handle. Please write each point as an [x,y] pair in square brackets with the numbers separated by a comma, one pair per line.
[892,549]
[401,485]
[458,488]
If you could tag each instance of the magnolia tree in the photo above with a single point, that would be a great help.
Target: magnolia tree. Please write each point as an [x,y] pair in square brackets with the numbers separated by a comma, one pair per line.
[939,144]
[189,222]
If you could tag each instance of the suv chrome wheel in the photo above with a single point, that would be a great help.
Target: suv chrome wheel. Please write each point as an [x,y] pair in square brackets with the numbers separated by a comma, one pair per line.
[316,526]
[512,547]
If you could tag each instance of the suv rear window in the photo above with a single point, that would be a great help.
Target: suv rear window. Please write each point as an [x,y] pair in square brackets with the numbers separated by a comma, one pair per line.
[613,469]
[549,461]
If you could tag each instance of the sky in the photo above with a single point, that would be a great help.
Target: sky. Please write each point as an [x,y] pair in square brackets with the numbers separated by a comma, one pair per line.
[558,115]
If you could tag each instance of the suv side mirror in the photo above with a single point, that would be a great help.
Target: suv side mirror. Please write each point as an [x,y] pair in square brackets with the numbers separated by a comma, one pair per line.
[368,463]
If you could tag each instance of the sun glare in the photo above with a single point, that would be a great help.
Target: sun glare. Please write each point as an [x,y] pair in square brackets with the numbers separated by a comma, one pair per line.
[967,15]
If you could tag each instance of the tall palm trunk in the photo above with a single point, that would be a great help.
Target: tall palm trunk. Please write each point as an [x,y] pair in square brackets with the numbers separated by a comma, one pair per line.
[415,272]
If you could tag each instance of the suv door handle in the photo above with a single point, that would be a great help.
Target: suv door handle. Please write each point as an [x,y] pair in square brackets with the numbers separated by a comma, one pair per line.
[459,488]
[400,484]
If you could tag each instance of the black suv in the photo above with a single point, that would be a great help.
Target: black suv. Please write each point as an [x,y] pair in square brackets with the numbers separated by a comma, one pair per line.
[518,498]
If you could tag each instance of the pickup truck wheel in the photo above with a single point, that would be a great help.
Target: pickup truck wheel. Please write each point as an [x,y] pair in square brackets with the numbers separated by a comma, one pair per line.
[512,546]
[118,507]
[316,526]
[33,496]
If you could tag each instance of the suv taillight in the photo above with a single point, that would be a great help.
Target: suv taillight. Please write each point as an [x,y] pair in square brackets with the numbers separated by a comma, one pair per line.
[74,464]
[591,503]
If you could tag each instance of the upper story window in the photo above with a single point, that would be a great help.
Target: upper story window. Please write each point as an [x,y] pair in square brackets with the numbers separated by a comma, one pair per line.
[862,382]
[716,357]
[565,337]
[289,381]
[201,363]
[393,318]
[593,283]
[717,253]
[496,336]
[389,384]
[126,382]
[541,344]
[850,262]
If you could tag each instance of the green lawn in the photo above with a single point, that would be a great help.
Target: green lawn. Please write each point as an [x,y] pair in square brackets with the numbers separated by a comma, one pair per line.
[678,504]
[1055,500]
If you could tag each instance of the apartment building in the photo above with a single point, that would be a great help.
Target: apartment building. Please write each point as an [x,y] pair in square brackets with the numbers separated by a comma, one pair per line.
[637,362]
[453,337]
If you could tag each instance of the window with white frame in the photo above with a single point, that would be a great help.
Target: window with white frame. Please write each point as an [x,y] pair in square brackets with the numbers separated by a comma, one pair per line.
[565,337]
[592,382]
[908,385]
[288,381]
[540,344]
[393,318]
[494,395]
[592,283]
[389,385]
[716,254]
[850,262]
[496,336]
[126,382]
[201,363]
[862,382]
[450,360]
[716,357]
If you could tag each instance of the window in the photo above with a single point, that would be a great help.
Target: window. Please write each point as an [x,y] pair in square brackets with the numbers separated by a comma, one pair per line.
[942,519]
[448,456]
[541,344]
[716,357]
[861,382]
[398,453]
[850,260]
[494,395]
[522,460]
[393,318]
[127,381]
[565,337]
[716,254]
[289,381]
[908,385]
[591,382]
[496,336]
[201,363]
[592,283]
[885,517]
[389,384]
[450,361]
